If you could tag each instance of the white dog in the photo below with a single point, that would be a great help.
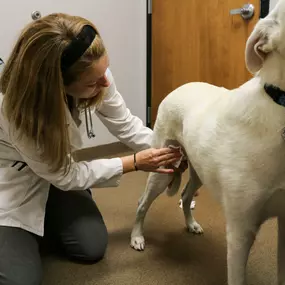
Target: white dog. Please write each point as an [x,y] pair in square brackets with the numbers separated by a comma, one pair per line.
[234,143]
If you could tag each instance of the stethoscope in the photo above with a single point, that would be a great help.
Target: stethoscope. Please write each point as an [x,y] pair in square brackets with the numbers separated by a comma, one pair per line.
[90,130]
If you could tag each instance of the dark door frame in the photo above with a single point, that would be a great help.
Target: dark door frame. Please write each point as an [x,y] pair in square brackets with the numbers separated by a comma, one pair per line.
[148,61]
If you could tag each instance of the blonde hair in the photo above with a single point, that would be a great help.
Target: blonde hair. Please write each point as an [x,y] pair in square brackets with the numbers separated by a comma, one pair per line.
[34,88]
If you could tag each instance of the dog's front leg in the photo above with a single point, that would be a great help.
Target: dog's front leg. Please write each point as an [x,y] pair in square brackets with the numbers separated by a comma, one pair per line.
[156,184]
[240,237]
[281,250]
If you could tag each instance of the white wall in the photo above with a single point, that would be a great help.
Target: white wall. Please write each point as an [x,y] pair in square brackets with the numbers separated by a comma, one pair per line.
[273,3]
[122,24]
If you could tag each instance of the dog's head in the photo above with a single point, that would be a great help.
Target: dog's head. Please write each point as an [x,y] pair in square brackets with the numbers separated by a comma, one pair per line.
[267,41]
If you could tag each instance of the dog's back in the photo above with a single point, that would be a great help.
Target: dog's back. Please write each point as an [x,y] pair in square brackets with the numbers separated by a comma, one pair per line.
[189,100]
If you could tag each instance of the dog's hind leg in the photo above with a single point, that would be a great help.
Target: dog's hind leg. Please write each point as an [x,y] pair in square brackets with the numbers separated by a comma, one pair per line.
[281,251]
[156,184]
[188,193]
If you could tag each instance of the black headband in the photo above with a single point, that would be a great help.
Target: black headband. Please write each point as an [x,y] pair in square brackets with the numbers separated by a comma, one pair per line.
[77,47]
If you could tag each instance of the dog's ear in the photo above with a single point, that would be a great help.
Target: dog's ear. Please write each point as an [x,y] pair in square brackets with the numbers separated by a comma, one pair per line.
[254,55]
[260,44]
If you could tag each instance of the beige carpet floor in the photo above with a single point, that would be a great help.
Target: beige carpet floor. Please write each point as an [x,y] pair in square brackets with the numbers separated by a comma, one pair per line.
[172,255]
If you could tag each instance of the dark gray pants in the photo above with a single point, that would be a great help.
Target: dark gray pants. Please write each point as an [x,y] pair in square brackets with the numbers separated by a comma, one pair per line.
[73,224]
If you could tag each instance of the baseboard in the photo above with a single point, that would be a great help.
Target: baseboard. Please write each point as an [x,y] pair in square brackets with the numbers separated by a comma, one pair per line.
[102,151]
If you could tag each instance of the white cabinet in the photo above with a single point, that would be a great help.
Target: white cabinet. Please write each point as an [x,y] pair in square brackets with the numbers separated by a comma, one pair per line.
[122,24]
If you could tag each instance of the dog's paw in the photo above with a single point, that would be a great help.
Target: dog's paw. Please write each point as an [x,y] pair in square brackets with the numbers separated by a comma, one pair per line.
[138,243]
[195,228]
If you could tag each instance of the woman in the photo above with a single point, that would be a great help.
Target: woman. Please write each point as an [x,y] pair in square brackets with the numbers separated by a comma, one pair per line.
[57,69]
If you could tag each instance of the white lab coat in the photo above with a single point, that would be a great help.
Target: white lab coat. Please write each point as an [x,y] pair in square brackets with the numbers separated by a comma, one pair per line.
[24,188]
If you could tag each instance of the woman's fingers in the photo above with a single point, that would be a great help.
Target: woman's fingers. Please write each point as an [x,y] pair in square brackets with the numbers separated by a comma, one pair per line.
[166,158]
[164,170]
[169,162]
[166,150]
[156,160]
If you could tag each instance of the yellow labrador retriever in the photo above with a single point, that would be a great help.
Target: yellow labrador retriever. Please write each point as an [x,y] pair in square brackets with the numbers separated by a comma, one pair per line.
[234,143]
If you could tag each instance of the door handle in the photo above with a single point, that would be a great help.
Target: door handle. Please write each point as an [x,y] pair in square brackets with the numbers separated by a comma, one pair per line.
[1,65]
[247,11]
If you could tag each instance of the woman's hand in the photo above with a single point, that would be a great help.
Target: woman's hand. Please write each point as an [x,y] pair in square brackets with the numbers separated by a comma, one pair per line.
[150,160]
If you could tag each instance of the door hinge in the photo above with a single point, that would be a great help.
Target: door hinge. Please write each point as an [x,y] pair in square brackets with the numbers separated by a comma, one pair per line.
[149,7]
[1,65]
[148,116]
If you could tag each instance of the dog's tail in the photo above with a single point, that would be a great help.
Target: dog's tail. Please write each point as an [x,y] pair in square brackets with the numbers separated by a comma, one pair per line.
[174,185]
